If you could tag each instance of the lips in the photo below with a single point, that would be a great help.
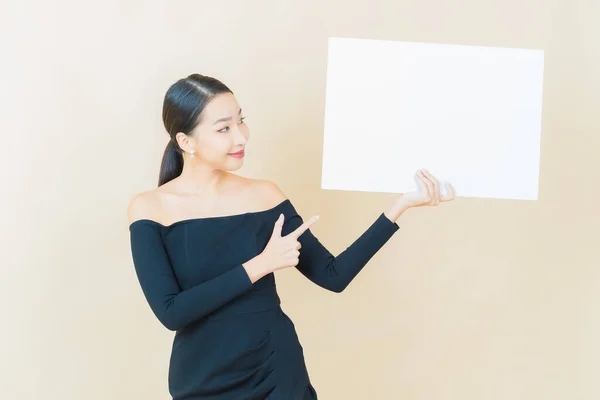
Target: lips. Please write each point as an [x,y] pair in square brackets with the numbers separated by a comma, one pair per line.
[238,154]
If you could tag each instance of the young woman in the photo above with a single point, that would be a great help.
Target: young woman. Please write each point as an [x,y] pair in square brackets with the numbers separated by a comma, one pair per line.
[205,244]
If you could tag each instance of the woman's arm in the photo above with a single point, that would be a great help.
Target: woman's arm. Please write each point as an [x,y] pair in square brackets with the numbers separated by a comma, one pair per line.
[174,307]
[335,272]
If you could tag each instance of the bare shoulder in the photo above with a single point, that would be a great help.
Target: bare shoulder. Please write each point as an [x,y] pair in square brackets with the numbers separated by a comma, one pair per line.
[269,193]
[145,205]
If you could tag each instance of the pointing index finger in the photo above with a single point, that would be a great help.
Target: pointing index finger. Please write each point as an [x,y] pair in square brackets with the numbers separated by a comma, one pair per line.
[304,227]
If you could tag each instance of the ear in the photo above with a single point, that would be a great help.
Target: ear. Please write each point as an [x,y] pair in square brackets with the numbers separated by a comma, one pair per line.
[185,142]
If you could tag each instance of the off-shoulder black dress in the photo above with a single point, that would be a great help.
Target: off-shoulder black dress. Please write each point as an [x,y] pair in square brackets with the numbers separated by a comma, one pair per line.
[232,340]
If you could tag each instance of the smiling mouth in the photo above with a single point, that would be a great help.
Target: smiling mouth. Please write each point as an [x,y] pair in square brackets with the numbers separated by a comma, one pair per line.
[237,154]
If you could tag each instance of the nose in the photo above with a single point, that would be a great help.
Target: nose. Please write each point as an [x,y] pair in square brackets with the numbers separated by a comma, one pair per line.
[240,137]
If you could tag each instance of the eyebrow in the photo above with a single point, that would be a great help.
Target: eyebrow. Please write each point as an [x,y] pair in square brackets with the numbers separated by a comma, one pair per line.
[226,118]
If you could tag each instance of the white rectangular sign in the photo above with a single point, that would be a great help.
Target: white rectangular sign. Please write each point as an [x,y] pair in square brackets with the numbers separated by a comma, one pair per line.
[470,115]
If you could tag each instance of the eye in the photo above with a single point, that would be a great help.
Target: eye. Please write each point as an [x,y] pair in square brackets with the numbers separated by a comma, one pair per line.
[223,130]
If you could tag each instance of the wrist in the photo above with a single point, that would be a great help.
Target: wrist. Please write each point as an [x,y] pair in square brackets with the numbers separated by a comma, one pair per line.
[397,209]
[256,268]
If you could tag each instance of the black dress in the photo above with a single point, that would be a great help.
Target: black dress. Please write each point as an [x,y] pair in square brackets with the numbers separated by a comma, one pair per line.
[232,340]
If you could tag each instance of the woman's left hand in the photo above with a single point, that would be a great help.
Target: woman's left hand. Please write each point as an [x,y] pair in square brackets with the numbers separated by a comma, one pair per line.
[428,193]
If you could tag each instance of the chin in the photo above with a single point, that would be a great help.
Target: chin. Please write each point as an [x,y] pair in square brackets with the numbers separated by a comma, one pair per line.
[233,165]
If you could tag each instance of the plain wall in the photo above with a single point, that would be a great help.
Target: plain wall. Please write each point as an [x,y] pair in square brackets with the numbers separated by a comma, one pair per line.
[477,299]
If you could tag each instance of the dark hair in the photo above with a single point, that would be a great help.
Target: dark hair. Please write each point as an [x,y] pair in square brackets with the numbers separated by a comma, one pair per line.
[184,102]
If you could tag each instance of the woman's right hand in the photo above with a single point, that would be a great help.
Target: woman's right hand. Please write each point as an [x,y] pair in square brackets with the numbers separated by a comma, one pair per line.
[284,251]
[280,252]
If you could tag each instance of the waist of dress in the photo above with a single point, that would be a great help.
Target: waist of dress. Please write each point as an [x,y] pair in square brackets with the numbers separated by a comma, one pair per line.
[256,300]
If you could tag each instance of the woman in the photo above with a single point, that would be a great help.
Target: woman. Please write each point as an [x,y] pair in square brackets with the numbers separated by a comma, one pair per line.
[206,242]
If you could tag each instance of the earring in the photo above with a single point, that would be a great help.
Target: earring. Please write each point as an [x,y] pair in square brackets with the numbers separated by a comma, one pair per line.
[192,154]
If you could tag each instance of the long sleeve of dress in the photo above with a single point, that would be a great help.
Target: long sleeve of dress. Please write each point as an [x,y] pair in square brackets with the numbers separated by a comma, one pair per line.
[173,306]
[325,269]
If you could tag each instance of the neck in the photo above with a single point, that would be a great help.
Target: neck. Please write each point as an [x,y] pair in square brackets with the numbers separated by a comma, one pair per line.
[200,178]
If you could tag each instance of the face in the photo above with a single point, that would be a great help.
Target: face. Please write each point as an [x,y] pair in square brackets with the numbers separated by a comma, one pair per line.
[221,136]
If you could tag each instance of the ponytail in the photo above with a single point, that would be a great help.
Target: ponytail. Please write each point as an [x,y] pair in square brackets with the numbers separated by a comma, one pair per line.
[171,165]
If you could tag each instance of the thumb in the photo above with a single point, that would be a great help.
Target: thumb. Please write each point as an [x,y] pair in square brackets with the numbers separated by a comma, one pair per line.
[278,226]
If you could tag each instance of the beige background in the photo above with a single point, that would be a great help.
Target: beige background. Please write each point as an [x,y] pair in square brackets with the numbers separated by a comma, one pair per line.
[478,299]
